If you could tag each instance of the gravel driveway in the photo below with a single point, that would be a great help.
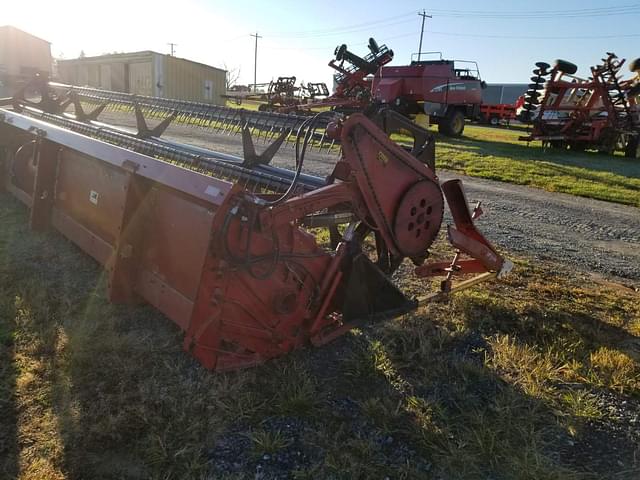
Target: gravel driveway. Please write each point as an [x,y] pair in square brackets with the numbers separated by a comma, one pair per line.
[581,233]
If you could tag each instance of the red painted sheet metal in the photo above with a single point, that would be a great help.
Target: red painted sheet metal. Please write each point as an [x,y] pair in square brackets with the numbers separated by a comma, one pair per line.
[177,234]
[171,216]
[161,295]
[81,236]
[91,192]
[206,188]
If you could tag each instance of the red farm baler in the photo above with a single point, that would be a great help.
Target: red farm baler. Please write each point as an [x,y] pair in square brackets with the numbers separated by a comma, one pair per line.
[447,90]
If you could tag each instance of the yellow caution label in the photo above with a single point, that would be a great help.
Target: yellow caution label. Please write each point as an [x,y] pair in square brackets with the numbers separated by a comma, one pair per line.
[422,120]
[382,158]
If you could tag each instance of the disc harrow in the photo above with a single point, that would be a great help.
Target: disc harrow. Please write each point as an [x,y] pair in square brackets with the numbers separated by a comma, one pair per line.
[601,112]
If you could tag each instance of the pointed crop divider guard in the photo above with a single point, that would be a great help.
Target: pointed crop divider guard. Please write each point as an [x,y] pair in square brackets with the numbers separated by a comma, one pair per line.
[251,158]
[144,131]
[78,110]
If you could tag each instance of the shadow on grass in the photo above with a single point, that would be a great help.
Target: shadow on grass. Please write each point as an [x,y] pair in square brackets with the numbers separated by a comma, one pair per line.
[67,357]
[110,392]
[409,399]
[625,167]
[8,412]
[446,415]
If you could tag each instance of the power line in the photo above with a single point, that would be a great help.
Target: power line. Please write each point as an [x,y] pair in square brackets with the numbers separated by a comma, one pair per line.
[489,14]
[538,14]
[382,23]
[343,27]
[545,11]
[631,9]
[473,35]
[546,37]
[348,31]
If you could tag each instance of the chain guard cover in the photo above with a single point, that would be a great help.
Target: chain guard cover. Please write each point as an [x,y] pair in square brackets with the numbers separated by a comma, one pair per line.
[402,195]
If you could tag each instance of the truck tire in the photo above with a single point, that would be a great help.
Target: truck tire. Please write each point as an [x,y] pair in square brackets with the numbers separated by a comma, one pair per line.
[632,150]
[401,105]
[633,91]
[558,144]
[566,67]
[495,121]
[577,146]
[452,125]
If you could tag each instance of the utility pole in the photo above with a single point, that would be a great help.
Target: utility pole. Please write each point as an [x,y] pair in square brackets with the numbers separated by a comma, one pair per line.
[424,16]
[172,45]
[255,61]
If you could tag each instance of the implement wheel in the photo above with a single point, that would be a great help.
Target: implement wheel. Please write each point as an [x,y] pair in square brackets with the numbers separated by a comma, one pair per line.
[566,67]
[634,91]
[452,125]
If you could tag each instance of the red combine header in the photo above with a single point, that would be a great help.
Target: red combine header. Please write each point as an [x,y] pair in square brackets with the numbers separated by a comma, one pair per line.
[600,113]
[223,245]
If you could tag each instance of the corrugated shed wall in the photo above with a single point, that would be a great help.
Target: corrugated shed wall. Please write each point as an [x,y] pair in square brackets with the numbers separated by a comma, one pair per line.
[147,73]
[190,81]
[119,72]
[22,54]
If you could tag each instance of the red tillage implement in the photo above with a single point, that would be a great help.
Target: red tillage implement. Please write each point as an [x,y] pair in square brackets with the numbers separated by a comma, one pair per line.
[601,112]
[493,114]
[222,245]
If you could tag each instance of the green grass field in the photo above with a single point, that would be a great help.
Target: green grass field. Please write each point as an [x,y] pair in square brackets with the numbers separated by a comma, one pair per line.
[520,379]
[497,154]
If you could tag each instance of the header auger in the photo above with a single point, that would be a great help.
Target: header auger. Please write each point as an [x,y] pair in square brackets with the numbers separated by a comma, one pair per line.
[223,245]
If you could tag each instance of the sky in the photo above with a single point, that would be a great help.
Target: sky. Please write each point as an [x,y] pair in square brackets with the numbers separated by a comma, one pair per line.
[299,37]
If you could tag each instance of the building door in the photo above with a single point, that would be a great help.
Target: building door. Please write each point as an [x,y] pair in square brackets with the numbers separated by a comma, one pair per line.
[208,90]
[83,75]
[140,78]
[105,77]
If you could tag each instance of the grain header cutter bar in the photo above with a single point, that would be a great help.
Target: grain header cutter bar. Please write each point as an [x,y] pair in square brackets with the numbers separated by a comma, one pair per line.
[601,112]
[222,245]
